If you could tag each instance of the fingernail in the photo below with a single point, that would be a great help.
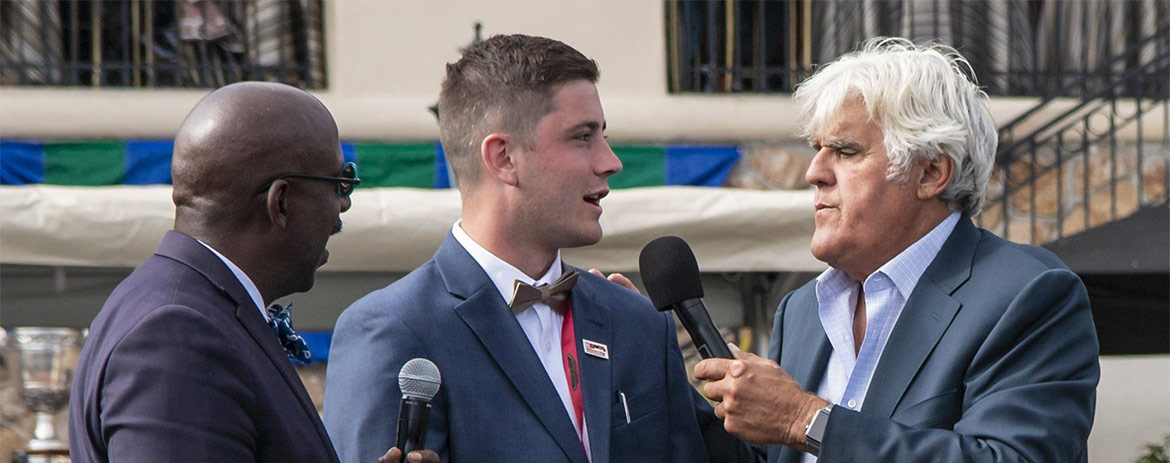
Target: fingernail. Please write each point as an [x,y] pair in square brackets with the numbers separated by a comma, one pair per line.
[732,346]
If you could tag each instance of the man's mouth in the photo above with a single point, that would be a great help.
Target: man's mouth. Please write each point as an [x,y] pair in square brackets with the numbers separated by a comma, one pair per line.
[595,198]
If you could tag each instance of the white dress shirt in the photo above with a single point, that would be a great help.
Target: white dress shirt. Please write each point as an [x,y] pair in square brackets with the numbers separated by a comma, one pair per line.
[244,280]
[540,323]
[848,374]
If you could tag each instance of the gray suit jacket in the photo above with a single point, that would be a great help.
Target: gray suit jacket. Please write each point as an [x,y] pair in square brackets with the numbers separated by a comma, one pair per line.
[994,358]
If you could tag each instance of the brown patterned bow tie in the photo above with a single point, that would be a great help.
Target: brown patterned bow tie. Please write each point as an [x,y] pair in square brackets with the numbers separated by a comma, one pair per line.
[525,295]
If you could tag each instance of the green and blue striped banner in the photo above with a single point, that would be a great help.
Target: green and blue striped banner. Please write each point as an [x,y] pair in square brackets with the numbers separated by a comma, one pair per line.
[415,165]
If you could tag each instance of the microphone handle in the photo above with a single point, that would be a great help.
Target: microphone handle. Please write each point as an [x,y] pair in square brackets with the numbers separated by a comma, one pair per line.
[412,425]
[697,321]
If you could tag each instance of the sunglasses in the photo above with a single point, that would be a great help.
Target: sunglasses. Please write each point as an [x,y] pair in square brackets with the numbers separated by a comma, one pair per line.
[346,180]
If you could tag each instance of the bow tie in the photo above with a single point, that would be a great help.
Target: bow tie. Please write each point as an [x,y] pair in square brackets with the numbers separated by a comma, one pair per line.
[280,319]
[525,295]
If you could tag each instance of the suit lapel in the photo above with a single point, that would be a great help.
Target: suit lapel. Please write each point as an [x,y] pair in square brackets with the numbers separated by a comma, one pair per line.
[807,334]
[266,339]
[592,322]
[804,354]
[928,313]
[488,316]
[189,251]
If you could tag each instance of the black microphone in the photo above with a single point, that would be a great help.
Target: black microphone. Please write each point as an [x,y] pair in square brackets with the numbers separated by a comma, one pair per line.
[419,381]
[671,276]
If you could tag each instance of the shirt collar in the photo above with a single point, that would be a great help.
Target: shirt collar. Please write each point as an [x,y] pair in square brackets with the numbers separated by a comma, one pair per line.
[905,269]
[502,274]
[244,280]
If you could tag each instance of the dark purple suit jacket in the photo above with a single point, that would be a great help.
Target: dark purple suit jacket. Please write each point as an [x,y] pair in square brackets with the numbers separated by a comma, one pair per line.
[180,366]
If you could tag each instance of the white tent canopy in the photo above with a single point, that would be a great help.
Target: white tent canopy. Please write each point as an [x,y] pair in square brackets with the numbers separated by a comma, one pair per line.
[396,229]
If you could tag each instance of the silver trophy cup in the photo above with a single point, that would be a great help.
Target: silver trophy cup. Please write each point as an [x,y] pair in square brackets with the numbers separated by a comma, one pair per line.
[46,359]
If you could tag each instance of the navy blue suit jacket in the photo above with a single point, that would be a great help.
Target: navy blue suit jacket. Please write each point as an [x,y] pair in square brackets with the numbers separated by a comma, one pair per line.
[994,358]
[180,366]
[496,402]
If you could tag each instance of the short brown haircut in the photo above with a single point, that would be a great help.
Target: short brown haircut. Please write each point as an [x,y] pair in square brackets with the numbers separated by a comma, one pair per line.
[503,84]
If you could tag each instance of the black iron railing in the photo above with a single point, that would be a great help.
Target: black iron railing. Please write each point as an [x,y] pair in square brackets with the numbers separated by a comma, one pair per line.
[1016,47]
[1095,160]
[161,43]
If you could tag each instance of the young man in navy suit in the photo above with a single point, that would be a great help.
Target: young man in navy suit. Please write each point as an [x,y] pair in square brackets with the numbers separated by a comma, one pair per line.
[186,361]
[540,361]
[927,339]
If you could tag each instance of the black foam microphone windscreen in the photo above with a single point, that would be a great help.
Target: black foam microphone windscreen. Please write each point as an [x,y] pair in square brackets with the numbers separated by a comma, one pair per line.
[671,275]
[669,271]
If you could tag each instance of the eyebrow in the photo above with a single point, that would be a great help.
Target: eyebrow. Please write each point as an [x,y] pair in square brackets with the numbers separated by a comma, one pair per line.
[840,144]
[591,125]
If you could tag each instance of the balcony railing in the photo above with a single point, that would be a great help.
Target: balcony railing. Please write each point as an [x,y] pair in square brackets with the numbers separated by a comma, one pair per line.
[1061,174]
[1016,47]
[161,43]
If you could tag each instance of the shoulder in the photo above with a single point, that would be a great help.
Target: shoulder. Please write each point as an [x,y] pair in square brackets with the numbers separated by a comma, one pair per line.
[162,295]
[615,296]
[1015,288]
[173,345]
[422,286]
[175,330]
[1011,267]
[161,281]
[993,251]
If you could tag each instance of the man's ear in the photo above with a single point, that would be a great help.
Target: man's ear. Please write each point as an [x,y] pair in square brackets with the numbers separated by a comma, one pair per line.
[276,204]
[498,153]
[936,175]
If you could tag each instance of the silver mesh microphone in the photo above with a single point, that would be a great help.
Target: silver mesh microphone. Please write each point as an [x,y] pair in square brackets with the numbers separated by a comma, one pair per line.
[419,381]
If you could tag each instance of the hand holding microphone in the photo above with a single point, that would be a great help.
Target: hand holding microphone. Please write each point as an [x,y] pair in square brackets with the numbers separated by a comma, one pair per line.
[671,276]
[770,406]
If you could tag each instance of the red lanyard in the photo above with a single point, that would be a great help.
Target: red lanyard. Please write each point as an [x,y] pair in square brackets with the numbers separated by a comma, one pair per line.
[572,368]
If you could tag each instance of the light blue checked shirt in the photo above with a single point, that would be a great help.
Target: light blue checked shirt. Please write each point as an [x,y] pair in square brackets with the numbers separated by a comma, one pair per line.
[848,375]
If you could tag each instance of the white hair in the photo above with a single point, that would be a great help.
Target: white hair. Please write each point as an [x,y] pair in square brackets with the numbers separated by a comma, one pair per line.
[926,101]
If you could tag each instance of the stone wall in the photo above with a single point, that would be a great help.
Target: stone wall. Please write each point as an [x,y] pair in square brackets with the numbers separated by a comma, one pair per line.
[1078,194]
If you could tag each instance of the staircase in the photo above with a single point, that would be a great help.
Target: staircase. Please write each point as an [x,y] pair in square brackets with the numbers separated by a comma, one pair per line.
[1095,152]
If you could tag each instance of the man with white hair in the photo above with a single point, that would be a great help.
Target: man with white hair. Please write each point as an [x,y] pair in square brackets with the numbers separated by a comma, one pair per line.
[927,339]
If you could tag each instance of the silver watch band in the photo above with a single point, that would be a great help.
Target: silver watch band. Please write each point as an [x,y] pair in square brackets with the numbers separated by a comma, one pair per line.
[814,434]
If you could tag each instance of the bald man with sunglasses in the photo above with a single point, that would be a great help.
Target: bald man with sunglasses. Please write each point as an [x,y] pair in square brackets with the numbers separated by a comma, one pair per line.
[187,361]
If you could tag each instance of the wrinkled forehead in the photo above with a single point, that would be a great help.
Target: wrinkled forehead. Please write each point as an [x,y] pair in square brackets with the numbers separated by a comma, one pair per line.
[826,112]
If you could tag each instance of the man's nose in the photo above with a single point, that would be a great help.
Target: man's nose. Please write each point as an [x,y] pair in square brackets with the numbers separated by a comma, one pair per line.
[819,173]
[610,164]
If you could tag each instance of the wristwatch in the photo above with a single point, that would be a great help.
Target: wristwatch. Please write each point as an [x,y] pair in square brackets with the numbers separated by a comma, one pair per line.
[814,434]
